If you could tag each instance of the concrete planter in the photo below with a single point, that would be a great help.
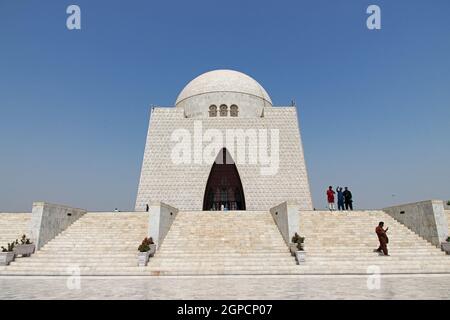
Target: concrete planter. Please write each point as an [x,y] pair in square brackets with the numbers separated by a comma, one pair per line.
[445,246]
[6,258]
[300,256]
[143,258]
[25,250]
[152,249]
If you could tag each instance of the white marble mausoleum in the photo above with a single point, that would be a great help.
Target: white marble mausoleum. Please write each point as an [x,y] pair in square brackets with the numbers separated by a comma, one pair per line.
[224,100]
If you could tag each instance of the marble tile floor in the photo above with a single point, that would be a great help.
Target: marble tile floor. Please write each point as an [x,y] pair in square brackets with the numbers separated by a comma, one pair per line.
[296,287]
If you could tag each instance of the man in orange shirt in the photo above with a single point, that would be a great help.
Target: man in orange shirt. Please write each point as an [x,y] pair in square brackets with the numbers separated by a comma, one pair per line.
[383,238]
[330,198]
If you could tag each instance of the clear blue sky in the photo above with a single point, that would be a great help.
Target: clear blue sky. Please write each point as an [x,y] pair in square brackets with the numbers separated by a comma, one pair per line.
[374,105]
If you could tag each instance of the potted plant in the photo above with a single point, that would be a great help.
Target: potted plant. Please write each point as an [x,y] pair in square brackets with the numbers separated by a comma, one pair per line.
[25,248]
[145,250]
[445,246]
[7,255]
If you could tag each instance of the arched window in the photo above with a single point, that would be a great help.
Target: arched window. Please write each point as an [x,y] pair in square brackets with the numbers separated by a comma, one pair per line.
[212,111]
[234,110]
[223,110]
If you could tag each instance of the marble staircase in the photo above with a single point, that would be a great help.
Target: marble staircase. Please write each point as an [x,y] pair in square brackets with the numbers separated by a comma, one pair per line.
[226,243]
[343,243]
[232,242]
[103,243]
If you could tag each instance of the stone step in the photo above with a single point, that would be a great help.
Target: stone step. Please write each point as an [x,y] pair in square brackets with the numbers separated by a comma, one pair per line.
[160,263]
[207,257]
[43,265]
[186,259]
[361,230]
[124,243]
[214,254]
[106,229]
[75,239]
[320,269]
[63,269]
[149,268]
[363,242]
[97,249]
[370,246]
[385,266]
[355,250]
[349,271]
[225,236]
[370,253]
[321,234]
[49,258]
[223,247]
[243,265]
[377,259]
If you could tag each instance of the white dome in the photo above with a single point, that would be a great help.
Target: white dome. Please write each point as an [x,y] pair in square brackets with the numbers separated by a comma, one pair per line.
[223,88]
[223,81]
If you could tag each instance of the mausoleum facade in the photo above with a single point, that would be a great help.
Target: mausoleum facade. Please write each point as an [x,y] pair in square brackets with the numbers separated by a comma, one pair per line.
[230,109]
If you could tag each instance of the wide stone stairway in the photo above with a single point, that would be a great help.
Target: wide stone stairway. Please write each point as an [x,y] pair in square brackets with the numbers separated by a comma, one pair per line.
[97,243]
[228,243]
[233,242]
[13,226]
[343,243]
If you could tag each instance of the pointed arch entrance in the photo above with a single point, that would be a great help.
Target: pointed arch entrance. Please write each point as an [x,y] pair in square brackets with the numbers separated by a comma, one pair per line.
[224,187]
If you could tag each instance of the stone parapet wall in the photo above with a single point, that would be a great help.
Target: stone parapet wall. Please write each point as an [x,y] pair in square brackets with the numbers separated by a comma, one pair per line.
[426,218]
[286,217]
[161,217]
[48,220]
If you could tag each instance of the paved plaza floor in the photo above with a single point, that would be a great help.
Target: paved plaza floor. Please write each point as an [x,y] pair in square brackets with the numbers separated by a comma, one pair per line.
[227,287]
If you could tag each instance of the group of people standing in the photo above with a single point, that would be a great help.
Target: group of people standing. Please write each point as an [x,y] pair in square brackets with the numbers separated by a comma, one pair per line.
[344,199]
